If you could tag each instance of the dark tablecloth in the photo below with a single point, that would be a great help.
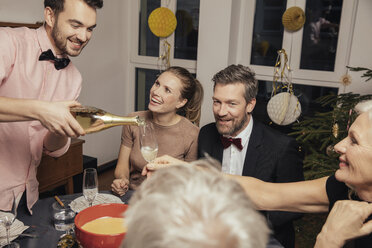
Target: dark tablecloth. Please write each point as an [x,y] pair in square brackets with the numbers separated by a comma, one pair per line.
[41,223]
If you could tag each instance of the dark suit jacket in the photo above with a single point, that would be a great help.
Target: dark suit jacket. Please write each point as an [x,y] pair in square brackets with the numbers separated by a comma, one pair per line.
[272,157]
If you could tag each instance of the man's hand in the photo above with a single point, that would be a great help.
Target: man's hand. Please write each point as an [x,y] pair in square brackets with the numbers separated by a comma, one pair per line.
[345,222]
[159,163]
[120,186]
[56,117]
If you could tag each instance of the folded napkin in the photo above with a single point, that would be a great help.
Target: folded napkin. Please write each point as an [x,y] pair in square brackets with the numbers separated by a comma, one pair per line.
[80,203]
[15,230]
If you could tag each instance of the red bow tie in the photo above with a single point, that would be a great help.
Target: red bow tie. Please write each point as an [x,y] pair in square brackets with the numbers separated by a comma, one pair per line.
[226,142]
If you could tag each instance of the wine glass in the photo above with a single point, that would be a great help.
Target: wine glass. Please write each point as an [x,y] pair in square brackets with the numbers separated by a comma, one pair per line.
[149,145]
[7,217]
[90,185]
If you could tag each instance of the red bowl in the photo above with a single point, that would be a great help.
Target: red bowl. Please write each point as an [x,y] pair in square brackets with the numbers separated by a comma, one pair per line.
[93,240]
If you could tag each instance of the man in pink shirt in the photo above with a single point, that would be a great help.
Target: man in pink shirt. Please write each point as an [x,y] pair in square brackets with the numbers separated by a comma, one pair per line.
[38,86]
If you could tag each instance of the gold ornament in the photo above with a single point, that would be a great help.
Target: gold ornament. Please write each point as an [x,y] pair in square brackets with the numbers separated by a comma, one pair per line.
[293,18]
[345,80]
[335,130]
[162,22]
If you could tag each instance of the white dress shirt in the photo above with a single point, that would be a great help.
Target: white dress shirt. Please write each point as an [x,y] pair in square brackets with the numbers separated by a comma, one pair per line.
[233,158]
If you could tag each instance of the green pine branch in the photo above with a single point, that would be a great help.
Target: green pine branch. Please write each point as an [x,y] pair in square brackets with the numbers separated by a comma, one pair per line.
[315,133]
[367,74]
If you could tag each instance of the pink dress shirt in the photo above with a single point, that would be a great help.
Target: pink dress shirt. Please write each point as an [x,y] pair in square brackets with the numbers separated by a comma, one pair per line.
[23,76]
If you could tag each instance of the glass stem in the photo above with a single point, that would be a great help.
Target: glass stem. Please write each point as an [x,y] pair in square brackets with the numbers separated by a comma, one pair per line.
[7,235]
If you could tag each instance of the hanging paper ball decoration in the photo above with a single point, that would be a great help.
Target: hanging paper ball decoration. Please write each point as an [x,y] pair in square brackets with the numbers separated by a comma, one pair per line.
[162,22]
[293,18]
[284,108]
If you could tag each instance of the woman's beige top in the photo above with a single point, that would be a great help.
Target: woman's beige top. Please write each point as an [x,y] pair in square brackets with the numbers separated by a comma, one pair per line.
[179,140]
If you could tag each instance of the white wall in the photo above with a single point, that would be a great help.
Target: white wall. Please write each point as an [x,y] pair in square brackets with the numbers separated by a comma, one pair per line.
[104,66]
[213,48]
[30,11]
[361,48]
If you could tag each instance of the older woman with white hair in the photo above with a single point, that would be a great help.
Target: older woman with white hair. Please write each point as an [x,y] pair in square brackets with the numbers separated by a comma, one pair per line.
[347,193]
[193,208]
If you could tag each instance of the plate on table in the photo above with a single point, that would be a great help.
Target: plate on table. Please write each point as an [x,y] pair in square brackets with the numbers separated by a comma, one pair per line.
[80,203]
[15,230]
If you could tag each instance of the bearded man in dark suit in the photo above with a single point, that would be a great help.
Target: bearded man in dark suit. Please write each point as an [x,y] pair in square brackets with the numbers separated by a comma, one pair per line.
[248,148]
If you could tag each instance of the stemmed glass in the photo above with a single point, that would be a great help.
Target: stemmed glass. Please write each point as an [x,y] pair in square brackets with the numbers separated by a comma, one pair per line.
[149,145]
[90,185]
[7,218]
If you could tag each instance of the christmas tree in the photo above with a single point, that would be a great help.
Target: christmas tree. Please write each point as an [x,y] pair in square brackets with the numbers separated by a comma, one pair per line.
[319,133]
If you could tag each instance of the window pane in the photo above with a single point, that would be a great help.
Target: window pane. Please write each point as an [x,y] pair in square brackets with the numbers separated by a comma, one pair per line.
[148,43]
[321,35]
[267,36]
[306,94]
[186,34]
[145,78]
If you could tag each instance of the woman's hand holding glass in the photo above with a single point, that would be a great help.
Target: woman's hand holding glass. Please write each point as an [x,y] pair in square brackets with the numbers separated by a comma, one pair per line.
[159,163]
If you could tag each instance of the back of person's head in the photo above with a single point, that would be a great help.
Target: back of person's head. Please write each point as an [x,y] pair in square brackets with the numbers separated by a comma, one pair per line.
[188,207]
[238,74]
[58,5]
[192,90]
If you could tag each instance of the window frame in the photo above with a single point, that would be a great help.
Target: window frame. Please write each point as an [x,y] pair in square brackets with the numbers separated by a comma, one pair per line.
[292,43]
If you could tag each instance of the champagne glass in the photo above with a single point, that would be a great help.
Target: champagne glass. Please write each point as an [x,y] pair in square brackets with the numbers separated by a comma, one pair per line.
[90,185]
[149,145]
[7,217]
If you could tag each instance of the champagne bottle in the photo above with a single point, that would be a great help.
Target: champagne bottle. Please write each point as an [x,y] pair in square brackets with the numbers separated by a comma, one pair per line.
[93,119]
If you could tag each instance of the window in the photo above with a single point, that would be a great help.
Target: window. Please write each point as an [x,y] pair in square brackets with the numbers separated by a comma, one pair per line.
[328,23]
[146,47]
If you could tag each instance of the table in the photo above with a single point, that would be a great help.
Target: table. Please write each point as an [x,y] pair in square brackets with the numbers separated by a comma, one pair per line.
[53,172]
[41,223]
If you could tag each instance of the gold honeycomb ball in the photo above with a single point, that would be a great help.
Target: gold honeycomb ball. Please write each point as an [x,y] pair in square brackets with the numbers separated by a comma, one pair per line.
[162,22]
[293,18]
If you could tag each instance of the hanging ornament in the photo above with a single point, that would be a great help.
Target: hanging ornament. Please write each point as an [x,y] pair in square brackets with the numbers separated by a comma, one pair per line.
[164,57]
[335,130]
[162,23]
[293,18]
[345,80]
[283,108]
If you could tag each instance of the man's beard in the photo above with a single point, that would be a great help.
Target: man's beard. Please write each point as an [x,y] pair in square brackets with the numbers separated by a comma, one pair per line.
[58,40]
[235,128]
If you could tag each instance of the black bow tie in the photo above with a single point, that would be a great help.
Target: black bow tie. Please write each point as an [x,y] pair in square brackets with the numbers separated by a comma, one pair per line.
[226,142]
[59,63]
